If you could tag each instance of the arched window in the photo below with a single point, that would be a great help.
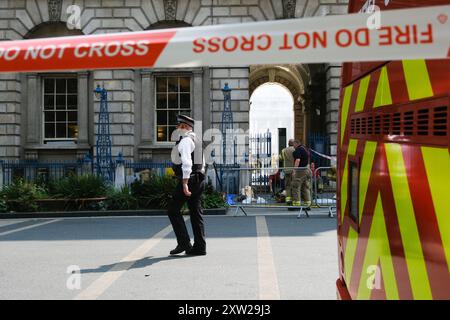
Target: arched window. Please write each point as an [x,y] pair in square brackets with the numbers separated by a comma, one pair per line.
[56,103]
[52,29]
[168,24]
[272,109]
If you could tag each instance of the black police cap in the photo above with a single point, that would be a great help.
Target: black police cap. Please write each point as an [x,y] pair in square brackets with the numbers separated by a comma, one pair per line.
[185,119]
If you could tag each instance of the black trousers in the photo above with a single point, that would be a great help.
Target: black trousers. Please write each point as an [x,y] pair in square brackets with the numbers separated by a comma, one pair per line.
[196,187]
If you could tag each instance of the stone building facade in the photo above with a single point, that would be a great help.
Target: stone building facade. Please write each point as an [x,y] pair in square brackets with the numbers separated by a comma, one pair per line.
[53,116]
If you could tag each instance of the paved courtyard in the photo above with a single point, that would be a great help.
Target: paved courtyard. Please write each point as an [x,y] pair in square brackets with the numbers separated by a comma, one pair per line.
[262,256]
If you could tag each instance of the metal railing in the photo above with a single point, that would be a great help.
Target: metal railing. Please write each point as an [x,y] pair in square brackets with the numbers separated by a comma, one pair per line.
[44,171]
[245,187]
[41,171]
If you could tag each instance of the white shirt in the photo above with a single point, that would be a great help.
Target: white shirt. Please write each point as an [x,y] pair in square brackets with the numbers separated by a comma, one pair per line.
[185,148]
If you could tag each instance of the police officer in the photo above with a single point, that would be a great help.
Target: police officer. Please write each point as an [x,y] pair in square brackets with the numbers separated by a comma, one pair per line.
[190,171]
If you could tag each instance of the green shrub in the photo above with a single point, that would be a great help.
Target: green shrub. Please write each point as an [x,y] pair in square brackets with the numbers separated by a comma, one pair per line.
[213,199]
[21,196]
[121,200]
[3,206]
[155,193]
[78,187]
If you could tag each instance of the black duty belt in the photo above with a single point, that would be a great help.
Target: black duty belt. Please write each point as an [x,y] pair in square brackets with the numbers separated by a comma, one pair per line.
[195,176]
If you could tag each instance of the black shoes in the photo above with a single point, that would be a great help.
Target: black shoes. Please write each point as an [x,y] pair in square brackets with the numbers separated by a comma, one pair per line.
[196,252]
[181,248]
[190,250]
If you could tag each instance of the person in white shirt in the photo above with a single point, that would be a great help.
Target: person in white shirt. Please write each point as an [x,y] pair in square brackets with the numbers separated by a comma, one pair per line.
[188,165]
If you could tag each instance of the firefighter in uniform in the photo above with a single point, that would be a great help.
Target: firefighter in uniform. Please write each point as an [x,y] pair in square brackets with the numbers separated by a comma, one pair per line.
[287,161]
[301,178]
[189,169]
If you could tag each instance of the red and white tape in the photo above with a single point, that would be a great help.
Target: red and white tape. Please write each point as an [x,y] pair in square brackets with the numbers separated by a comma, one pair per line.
[333,159]
[421,33]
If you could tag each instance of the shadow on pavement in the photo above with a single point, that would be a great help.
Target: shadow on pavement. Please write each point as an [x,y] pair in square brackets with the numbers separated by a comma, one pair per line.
[137,264]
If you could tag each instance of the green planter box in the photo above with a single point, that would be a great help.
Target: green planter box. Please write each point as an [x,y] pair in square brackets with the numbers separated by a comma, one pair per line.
[66,204]
[107,213]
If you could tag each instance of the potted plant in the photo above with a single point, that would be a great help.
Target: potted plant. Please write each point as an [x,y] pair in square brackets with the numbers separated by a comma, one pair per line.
[121,200]
[75,192]
[154,193]
[21,196]
[213,201]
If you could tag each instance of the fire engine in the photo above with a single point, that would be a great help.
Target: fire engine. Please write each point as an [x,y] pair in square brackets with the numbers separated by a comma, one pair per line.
[393,175]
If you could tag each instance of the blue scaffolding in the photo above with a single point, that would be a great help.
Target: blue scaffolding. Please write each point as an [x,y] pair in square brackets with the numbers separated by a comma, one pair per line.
[104,163]
[228,143]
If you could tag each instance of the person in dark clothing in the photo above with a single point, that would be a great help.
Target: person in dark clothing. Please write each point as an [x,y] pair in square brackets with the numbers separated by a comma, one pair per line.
[301,178]
[189,169]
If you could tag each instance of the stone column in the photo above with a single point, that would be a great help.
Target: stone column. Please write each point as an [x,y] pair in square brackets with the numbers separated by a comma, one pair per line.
[10,115]
[237,78]
[197,99]
[147,114]
[83,108]
[333,71]
[34,117]
[147,107]
[206,99]
[83,114]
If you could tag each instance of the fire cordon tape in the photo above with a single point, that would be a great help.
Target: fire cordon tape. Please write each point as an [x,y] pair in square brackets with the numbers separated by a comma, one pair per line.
[421,33]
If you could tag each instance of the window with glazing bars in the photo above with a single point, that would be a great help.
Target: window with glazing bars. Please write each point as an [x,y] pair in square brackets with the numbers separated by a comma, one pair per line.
[60,99]
[173,97]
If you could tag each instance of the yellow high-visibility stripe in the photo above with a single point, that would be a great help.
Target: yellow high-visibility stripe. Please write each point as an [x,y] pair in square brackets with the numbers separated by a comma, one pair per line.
[352,240]
[437,164]
[364,175]
[378,249]
[407,222]
[344,110]
[344,184]
[349,257]
[417,79]
[362,94]
[383,95]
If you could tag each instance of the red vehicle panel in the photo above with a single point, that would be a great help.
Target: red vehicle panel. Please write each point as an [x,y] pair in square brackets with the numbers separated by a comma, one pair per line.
[393,176]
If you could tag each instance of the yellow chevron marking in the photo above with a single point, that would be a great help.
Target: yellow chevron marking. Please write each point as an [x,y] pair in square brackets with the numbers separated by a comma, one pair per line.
[364,175]
[344,184]
[383,95]
[362,94]
[407,222]
[344,110]
[349,258]
[417,79]
[436,160]
[378,249]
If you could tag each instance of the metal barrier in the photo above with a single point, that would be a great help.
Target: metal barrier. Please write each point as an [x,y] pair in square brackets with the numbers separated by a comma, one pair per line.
[264,188]
[142,168]
[324,186]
